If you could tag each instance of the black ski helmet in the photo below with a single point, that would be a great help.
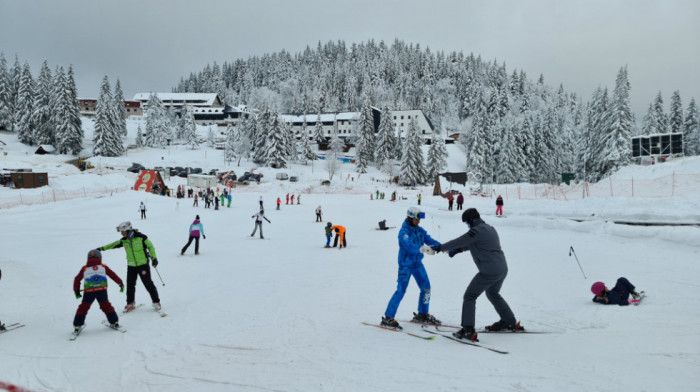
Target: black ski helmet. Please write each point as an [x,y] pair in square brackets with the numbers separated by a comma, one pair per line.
[469,215]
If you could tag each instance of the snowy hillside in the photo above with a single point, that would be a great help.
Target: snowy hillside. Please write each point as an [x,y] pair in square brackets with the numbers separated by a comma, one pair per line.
[284,314]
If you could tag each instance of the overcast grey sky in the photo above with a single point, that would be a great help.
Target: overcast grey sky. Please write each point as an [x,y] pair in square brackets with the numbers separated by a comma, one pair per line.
[150,44]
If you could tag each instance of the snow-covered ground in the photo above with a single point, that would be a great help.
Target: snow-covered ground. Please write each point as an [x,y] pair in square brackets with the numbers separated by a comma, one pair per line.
[284,314]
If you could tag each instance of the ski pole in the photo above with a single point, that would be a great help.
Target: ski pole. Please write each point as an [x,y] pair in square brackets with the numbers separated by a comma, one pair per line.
[571,250]
[159,277]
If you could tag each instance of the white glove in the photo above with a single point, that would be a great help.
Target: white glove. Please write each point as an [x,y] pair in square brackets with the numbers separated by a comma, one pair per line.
[427,249]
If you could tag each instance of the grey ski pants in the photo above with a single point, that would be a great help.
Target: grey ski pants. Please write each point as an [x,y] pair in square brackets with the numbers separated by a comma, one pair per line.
[489,280]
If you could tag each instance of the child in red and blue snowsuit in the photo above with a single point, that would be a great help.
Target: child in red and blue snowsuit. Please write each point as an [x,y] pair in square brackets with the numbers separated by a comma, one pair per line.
[619,295]
[94,276]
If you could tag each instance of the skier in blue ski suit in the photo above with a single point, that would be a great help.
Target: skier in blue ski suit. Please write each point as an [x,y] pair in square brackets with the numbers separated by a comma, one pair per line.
[411,238]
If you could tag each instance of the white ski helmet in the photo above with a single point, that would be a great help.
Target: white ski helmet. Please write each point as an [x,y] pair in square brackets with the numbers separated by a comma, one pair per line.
[124,226]
[415,213]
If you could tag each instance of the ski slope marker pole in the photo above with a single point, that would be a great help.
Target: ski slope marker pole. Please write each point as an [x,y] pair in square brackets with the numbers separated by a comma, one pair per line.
[571,250]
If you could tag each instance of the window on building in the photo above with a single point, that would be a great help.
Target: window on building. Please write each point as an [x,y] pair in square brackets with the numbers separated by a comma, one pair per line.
[40,179]
[402,117]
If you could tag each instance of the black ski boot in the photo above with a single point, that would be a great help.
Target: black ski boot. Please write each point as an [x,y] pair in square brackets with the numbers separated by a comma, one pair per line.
[466,333]
[502,325]
[390,323]
[425,318]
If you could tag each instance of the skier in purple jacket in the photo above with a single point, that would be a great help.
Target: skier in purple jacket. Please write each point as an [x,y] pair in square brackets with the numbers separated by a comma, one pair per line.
[196,229]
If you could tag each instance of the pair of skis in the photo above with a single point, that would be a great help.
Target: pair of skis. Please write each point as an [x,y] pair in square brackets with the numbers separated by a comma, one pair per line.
[10,327]
[446,332]
[160,311]
[106,323]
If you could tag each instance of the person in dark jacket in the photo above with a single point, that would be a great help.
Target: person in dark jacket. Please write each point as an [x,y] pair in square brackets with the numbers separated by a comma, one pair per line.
[460,201]
[139,249]
[485,246]
[499,205]
[413,242]
[619,295]
[329,234]
[94,277]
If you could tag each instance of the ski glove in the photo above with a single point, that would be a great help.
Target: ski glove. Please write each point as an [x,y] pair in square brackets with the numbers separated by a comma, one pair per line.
[427,249]
[203,236]
[121,288]
[436,248]
[77,295]
[453,252]
[155,263]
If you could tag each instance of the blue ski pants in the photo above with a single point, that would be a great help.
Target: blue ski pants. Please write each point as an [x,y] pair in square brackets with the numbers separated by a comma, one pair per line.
[421,277]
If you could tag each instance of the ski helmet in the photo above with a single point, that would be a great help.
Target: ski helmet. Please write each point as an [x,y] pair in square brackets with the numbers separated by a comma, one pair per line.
[415,213]
[469,215]
[124,226]
[598,288]
[329,224]
[94,254]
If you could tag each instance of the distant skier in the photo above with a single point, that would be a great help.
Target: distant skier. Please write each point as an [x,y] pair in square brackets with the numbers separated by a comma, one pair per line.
[485,246]
[287,199]
[94,277]
[499,205]
[279,201]
[413,242]
[460,200]
[292,199]
[142,208]
[340,233]
[258,223]
[619,295]
[319,218]
[196,229]
[139,249]
[450,201]
[329,234]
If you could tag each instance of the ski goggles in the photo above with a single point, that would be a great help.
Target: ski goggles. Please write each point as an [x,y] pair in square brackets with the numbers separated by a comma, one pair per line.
[420,215]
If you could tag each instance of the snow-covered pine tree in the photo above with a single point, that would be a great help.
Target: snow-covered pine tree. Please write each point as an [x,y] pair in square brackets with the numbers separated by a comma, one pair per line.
[335,148]
[230,144]
[437,156]
[6,119]
[276,149]
[261,135]
[157,124]
[24,107]
[596,125]
[691,130]
[139,137]
[661,117]
[72,138]
[474,141]
[365,142]
[44,127]
[618,137]
[318,129]
[290,141]
[211,137]
[412,166]
[119,110]
[243,144]
[386,140]
[189,127]
[675,118]
[107,140]
[307,153]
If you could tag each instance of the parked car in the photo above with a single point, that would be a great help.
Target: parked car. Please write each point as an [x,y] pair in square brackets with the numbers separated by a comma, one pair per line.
[325,182]
[248,176]
[135,168]
[196,170]
[213,172]
[282,176]
[293,179]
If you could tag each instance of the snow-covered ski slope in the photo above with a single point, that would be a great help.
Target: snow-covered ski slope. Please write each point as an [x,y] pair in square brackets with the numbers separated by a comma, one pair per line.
[285,314]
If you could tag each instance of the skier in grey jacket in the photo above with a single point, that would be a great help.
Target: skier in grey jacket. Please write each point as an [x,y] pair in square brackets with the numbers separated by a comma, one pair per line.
[483,243]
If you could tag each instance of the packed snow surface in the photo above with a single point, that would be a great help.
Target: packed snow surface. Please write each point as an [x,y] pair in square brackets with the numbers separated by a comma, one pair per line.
[284,314]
